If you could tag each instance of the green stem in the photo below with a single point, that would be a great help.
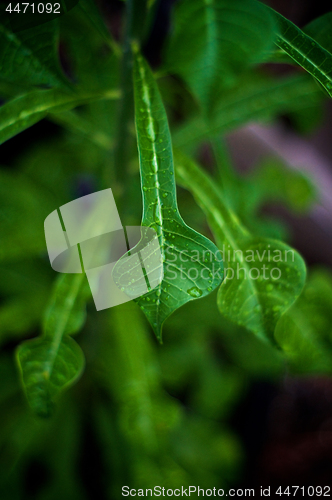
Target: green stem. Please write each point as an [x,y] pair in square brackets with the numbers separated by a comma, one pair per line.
[223,160]
[135,16]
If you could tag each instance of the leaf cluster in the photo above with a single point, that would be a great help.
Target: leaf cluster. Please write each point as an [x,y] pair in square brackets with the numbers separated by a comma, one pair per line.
[154,411]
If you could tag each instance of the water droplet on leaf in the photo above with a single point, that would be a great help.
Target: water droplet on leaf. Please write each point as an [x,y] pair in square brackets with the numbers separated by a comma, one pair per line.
[195,292]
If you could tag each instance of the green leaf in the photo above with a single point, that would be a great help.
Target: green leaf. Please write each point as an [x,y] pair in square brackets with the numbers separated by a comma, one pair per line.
[30,56]
[305,332]
[54,361]
[263,278]
[320,29]
[305,51]
[48,369]
[189,259]
[255,99]
[26,110]
[216,40]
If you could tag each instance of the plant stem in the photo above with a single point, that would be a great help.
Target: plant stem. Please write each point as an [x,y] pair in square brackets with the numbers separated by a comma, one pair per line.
[226,174]
[135,16]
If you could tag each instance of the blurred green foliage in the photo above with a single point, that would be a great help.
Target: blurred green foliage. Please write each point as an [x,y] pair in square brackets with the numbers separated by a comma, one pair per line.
[140,413]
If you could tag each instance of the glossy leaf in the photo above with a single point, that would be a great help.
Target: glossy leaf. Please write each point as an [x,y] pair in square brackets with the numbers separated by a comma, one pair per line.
[304,50]
[189,259]
[30,56]
[26,110]
[215,40]
[255,99]
[263,277]
[54,361]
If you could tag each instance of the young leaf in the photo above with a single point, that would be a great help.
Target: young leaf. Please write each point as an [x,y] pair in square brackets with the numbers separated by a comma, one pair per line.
[54,361]
[191,269]
[305,51]
[264,277]
[30,56]
[26,110]
[215,40]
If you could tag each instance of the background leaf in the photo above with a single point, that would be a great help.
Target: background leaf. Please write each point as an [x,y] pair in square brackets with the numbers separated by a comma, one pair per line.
[26,110]
[53,361]
[31,56]
[47,370]
[214,41]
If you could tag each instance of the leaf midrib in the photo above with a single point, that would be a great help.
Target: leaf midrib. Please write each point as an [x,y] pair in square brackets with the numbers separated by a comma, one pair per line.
[155,170]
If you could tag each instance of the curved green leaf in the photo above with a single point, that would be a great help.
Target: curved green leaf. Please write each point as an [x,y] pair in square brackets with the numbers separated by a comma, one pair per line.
[30,56]
[215,40]
[191,268]
[26,110]
[54,361]
[263,278]
[304,50]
